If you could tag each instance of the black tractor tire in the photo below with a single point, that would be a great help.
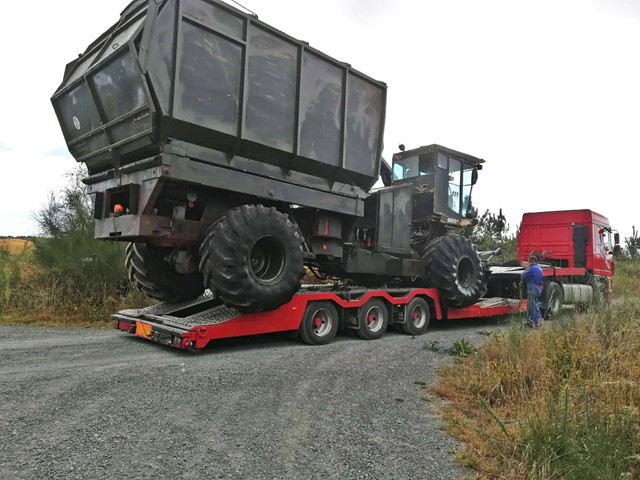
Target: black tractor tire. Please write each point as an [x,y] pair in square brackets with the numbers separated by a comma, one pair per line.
[252,258]
[417,317]
[320,323]
[205,253]
[373,320]
[555,300]
[453,266]
[151,274]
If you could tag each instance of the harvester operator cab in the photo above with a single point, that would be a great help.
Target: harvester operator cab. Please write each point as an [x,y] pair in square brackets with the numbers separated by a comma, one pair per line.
[443,181]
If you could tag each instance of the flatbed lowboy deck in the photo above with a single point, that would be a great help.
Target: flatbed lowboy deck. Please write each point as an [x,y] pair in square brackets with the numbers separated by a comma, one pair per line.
[316,313]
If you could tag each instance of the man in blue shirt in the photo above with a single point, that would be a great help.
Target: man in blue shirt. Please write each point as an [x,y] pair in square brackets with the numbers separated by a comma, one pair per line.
[533,278]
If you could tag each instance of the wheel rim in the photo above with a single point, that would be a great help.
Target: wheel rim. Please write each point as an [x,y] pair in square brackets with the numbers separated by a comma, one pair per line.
[418,316]
[375,319]
[267,260]
[322,323]
[465,272]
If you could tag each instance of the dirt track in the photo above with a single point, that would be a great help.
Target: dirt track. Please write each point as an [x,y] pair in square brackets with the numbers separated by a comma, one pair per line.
[98,404]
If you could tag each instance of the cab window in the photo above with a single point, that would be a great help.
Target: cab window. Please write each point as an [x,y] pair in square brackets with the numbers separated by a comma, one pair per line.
[454,185]
[467,186]
[412,167]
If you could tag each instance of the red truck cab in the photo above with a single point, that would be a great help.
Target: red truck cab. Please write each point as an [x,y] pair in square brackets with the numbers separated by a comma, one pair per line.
[568,239]
[575,249]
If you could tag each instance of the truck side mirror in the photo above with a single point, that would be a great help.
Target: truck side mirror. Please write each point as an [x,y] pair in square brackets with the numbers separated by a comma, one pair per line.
[474,176]
[616,238]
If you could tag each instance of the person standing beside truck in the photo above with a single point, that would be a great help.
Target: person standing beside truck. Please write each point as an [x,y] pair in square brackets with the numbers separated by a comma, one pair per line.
[533,278]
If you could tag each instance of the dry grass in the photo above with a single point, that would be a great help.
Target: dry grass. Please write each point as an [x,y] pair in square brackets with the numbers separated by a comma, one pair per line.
[15,245]
[559,403]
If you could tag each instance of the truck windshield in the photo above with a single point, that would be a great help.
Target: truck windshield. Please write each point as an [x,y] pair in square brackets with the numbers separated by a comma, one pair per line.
[412,167]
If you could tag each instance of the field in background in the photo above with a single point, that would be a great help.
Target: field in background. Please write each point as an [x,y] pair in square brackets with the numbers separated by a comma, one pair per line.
[559,403]
[15,245]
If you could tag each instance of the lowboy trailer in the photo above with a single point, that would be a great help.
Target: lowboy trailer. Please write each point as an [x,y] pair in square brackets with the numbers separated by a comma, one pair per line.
[575,249]
[317,314]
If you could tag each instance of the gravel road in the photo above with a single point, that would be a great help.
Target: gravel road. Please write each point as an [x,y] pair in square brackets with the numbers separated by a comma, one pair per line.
[85,403]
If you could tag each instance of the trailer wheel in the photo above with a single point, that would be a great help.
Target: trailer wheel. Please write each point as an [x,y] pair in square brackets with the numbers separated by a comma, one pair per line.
[555,300]
[320,323]
[453,266]
[253,258]
[417,317]
[150,273]
[373,319]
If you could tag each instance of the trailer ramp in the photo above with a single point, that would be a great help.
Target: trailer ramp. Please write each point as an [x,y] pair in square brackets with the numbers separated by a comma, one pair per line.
[192,325]
[175,324]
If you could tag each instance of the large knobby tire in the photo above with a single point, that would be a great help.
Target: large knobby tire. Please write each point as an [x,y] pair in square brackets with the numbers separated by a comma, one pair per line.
[253,258]
[150,273]
[453,266]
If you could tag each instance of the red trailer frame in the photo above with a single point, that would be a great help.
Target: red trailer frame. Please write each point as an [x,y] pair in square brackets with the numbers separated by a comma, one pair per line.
[193,325]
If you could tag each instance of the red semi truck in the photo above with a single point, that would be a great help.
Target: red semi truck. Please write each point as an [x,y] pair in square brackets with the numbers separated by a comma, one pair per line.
[575,249]
[576,255]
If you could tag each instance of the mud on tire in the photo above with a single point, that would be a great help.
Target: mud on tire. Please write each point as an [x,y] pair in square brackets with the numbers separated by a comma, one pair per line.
[253,259]
[151,274]
[453,266]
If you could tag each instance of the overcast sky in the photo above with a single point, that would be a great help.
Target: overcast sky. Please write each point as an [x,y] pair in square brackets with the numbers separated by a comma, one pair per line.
[546,91]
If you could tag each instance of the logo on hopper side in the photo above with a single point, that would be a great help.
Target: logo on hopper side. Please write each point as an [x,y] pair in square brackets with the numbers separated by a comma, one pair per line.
[76,123]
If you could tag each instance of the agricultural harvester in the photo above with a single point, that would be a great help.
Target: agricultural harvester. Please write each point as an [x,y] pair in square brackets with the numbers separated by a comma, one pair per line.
[229,156]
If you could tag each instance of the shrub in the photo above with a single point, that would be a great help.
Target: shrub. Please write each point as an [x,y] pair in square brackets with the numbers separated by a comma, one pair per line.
[67,274]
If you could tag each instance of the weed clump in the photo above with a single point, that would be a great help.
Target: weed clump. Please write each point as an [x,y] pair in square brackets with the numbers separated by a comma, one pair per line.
[562,402]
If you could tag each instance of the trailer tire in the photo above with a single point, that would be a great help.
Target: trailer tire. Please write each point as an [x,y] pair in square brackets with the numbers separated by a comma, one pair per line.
[373,320]
[417,317]
[453,267]
[555,300]
[151,274]
[320,323]
[253,258]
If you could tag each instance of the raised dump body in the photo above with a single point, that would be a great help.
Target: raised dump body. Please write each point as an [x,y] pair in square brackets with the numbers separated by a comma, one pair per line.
[202,72]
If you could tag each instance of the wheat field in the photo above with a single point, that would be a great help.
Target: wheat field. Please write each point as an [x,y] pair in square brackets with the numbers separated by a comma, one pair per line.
[15,245]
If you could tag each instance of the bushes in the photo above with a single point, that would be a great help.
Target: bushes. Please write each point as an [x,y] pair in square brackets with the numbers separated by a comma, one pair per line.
[9,275]
[627,279]
[67,274]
